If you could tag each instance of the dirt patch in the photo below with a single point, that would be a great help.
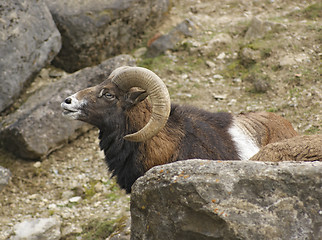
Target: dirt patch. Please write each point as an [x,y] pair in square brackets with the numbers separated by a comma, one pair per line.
[281,73]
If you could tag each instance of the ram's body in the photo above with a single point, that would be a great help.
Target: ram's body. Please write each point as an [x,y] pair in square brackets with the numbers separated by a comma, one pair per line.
[187,132]
[299,148]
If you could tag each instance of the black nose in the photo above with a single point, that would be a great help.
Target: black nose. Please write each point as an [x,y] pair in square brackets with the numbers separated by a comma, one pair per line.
[68,100]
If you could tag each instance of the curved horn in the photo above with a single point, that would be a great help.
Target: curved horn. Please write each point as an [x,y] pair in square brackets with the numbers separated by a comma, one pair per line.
[128,77]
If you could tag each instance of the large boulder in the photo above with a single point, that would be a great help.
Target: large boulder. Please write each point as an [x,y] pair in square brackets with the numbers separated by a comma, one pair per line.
[29,40]
[93,30]
[38,126]
[202,199]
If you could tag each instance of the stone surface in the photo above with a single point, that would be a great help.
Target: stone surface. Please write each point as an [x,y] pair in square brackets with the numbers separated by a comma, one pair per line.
[93,30]
[293,59]
[202,199]
[140,52]
[217,44]
[29,40]
[38,126]
[258,28]
[5,176]
[260,82]
[38,229]
[286,60]
[170,40]
[249,56]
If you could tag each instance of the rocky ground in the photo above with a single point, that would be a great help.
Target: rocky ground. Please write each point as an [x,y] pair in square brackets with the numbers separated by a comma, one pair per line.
[232,63]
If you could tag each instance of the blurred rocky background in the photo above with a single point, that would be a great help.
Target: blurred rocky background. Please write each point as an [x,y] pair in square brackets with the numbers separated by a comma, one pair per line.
[231,55]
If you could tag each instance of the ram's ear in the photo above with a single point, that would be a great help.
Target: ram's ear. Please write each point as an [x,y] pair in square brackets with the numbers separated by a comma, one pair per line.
[136,96]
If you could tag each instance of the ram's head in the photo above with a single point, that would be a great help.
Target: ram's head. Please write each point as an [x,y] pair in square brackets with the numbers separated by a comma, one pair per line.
[125,87]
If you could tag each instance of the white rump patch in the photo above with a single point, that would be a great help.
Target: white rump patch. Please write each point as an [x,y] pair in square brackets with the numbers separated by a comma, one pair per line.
[245,144]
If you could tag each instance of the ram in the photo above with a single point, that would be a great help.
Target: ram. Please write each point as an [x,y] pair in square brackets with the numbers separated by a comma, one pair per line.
[140,128]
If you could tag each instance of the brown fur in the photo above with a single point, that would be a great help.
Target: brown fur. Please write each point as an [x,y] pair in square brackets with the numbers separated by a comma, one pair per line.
[91,93]
[300,148]
[162,148]
[266,127]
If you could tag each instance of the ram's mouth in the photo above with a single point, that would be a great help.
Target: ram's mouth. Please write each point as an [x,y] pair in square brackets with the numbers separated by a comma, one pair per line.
[70,112]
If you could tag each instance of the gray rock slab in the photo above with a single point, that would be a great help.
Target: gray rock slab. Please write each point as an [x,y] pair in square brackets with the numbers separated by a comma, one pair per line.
[29,40]
[93,30]
[258,28]
[38,126]
[170,40]
[38,229]
[202,199]
[5,176]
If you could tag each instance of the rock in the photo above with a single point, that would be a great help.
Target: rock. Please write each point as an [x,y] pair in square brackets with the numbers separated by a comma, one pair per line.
[99,187]
[37,164]
[211,64]
[216,44]
[38,229]
[302,58]
[52,206]
[249,56]
[94,30]
[203,199]
[300,148]
[220,39]
[232,102]
[221,56]
[170,40]
[261,85]
[140,52]
[259,28]
[29,40]
[218,76]
[38,126]
[219,96]
[5,176]
[293,59]
[75,199]
[260,81]
[67,194]
[286,60]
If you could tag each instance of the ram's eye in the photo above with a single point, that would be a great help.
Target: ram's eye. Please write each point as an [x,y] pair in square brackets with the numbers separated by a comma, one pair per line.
[108,95]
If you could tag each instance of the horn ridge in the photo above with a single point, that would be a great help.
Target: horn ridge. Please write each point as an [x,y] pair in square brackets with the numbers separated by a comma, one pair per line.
[128,77]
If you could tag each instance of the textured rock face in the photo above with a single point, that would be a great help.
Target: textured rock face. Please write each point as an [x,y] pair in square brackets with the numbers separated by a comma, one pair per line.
[201,199]
[5,175]
[259,28]
[29,40]
[38,126]
[169,41]
[38,229]
[93,30]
